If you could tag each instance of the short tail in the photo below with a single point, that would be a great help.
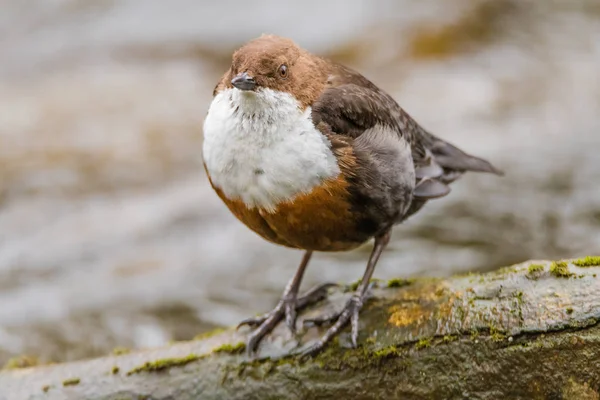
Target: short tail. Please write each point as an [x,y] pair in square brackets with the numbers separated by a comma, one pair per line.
[440,164]
[452,158]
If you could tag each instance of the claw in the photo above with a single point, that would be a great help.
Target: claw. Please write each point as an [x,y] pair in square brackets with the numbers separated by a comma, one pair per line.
[349,313]
[266,327]
[287,308]
[251,321]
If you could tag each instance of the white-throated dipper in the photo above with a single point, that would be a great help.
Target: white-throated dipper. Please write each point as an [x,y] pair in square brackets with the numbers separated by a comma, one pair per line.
[311,155]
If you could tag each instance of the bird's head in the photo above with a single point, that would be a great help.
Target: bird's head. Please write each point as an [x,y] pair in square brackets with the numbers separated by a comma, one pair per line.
[273,63]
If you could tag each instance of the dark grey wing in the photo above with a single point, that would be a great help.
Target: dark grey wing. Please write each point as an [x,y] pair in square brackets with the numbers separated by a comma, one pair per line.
[352,106]
[382,177]
[352,109]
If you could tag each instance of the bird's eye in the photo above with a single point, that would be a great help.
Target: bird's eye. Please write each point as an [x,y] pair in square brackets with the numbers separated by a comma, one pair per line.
[283,71]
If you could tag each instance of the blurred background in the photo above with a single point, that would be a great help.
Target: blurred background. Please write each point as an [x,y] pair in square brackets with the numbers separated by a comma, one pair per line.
[109,232]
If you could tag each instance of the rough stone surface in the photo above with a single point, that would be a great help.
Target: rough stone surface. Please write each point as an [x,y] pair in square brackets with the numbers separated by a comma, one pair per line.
[518,333]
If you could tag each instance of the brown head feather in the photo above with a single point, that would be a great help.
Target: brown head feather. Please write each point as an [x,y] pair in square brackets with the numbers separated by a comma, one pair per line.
[262,58]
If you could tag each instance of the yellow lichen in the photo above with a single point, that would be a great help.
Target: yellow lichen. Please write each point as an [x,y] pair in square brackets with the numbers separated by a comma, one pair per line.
[423,291]
[407,314]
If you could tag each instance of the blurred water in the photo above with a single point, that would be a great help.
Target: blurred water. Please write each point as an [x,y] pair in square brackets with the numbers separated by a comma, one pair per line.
[109,232]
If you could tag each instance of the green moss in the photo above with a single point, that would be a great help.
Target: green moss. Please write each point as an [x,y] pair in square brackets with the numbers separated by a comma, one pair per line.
[354,285]
[560,269]
[71,382]
[569,310]
[474,334]
[449,338]
[351,358]
[535,269]
[117,351]
[115,370]
[237,348]
[496,335]
[423,344]
[261,367]
[386,352]
[519,297]
[589,261]
[206,335]
[507,270]
[334,358]
[166,363]
[398,282]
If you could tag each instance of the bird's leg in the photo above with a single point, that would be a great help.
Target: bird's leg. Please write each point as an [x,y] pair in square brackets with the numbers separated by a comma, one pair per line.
[312,296]
[352,308]
[288,306]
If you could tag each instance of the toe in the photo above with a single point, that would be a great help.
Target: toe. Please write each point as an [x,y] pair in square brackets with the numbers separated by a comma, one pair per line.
[354,324]
[312,350]
[326,319]
[251,322]
[315,294]
[252,344]
[290,316]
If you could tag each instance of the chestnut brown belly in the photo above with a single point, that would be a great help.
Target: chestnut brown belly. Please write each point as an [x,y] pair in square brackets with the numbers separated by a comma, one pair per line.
[321,220]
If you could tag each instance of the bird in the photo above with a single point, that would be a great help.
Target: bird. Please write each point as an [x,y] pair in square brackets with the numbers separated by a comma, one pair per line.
[311,155]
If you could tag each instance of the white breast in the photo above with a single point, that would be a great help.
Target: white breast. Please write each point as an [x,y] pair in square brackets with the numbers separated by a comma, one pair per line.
[261,148]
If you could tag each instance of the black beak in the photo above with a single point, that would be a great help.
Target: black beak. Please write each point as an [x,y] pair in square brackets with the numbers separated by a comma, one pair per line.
[243,82]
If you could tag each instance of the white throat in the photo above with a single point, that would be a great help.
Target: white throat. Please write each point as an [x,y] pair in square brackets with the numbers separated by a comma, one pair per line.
[261,148]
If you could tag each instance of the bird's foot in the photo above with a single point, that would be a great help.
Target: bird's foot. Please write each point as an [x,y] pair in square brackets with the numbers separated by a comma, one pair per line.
[287,307]
[339,320]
